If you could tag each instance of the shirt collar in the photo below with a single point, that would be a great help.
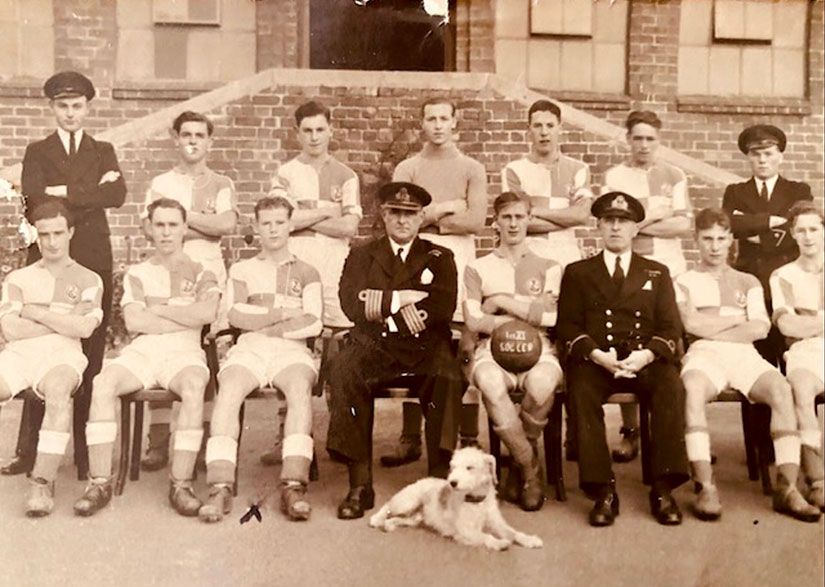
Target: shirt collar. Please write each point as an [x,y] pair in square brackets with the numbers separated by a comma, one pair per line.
[65,138]
[405,249]
[291,259]
[610,261]
[770,182]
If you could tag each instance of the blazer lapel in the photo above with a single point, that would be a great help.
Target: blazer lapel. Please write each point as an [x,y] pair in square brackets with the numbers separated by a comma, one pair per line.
[382,253]
[54,150]
[603,280]
[635,279]
[84,157]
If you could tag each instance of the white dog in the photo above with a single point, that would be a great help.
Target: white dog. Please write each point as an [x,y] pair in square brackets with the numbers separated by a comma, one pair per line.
[462,507]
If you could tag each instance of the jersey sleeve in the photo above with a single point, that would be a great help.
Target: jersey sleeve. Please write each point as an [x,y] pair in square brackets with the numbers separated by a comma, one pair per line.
[351,197]
[755,305]
[782,295]
[681,200]
[227,198]
[11,301]
[93,293]
[133,290]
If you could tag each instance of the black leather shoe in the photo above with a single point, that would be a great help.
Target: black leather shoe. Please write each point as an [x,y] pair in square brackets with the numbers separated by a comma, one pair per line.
[358,500]
[664,509]
[407,451]
[605,510]
[18,466]
[628,448]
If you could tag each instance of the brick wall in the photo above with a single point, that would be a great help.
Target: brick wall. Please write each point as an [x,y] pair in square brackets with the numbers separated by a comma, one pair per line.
[375,124]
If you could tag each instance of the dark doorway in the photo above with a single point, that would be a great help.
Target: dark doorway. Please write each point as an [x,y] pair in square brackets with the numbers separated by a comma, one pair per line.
[393,35]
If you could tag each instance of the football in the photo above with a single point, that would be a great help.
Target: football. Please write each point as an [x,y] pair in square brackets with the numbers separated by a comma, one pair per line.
[516,346]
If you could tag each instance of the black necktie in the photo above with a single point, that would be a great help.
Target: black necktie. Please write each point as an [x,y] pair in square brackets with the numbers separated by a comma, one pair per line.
[618,273]
[764,192]
[399,255]
[72,145]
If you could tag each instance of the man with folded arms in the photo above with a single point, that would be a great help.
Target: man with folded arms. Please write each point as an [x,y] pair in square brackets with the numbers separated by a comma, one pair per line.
[167,300]
[514,282]
[400,292]
[619,323]
[798,292]
[276,300]
[46,309]
[723,311]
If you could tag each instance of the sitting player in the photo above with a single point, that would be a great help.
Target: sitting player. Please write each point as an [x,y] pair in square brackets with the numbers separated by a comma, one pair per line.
[167,300]
[723,311]
[797,293]
[513,282]
[277,300]
[46,308]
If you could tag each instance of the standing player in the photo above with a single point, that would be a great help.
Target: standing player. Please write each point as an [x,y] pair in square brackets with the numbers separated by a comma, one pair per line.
[83,173]
[662,190]
[167,299]
[458,186]
[798,292]
[758,209]
[276,300]
[211,212]
[46,309]
[723,311]
[514,282]
[328,212]
[558,187]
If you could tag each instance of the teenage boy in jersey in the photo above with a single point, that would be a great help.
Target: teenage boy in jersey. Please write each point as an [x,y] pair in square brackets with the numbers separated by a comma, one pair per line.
[798,292]
[514,282]
[663,191]
[326,193]
[211,213]
[167,299]
[46,309]
[83,173]
[723,311]
[557,186]
[276,299]
[458,186]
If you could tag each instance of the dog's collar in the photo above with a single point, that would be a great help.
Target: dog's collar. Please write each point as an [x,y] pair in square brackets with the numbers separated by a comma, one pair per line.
[474,498]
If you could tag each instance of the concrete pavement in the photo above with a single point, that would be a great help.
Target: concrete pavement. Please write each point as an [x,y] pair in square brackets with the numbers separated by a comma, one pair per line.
[139,540]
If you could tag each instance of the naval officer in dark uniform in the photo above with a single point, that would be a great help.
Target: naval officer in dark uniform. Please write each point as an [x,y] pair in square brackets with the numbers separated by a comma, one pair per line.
[758,209]
[400,291]
[619,324]
[83,173]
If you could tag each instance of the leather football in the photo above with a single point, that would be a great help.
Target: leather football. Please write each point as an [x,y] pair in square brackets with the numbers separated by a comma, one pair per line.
[516,346]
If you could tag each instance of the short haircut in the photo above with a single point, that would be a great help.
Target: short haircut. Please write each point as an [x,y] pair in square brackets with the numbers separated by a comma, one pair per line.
[272,203]
[507,198]
[709,217]
[309,109]
[642,117]
[52,209]
[436,100]
[802,208]
[544,106]
[190,116]
[165,203]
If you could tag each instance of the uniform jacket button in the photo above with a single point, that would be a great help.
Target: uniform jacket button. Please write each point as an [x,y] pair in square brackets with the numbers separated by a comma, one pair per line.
[609,324]
[609,337]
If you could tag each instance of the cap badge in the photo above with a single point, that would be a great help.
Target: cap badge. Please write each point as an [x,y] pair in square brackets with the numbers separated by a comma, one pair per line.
[619,203]
[403,195]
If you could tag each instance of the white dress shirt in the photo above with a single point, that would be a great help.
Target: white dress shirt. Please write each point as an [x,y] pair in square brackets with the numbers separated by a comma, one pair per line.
[770,183]
[65,138]
[610,261]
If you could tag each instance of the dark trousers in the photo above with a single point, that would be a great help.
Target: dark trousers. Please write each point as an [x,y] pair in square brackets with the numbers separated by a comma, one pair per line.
[590,385]
[33,410]
[359,369]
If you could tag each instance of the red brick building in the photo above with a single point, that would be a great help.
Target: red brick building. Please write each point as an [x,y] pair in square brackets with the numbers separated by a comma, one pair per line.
[708,67]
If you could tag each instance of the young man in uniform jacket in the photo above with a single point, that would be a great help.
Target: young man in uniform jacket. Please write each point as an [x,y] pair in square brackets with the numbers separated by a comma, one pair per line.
[758,209]
[83,173]
[619,323]
[400,291]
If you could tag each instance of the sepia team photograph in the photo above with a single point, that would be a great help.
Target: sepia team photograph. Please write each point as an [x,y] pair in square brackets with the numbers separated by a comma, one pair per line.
[509,293]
